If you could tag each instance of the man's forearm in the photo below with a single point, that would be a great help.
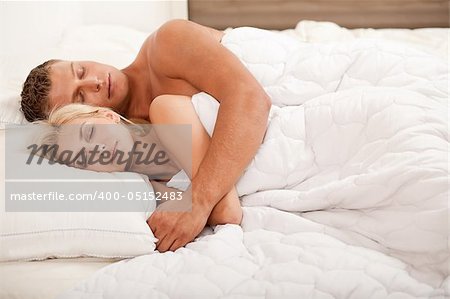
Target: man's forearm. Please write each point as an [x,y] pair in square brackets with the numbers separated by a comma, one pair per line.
[239,130]
[227,210]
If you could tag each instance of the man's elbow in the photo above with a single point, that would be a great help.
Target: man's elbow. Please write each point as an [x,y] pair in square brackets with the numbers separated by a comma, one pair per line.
[254,105]
[267,102]
[257,109]
[260,104]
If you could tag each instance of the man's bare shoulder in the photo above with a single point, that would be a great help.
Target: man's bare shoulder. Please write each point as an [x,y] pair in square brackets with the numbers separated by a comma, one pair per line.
[173,37]
[161,37]
[181,49]
[176,27]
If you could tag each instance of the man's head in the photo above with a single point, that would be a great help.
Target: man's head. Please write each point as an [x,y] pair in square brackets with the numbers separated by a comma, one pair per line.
[35,92]
[56,83]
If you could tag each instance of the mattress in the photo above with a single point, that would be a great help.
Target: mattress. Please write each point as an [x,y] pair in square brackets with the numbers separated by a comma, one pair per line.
[45,279]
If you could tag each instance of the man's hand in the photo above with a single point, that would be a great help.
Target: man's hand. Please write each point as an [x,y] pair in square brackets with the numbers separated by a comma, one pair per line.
[175,229]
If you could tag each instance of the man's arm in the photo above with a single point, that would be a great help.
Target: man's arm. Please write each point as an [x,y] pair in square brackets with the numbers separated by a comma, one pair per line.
[176,109]
[227,210]
[188,51]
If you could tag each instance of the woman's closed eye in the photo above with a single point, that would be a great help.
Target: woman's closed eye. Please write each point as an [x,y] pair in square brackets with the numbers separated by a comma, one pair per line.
[88,130]
[81,72]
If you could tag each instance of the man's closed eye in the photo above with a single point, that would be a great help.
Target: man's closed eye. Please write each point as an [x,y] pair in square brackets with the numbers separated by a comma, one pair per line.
[81,97]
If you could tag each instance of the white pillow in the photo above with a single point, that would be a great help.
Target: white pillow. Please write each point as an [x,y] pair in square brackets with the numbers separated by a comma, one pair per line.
[40,235]
[9,107]
[37,236]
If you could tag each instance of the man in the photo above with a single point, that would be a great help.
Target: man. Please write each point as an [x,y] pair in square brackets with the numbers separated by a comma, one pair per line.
[182,58]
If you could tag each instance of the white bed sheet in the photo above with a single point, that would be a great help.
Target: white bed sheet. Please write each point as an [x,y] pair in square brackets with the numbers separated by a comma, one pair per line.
[432,40]
[45,279]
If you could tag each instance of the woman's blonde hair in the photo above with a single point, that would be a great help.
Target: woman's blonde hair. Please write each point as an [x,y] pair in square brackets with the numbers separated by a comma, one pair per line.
[51,127]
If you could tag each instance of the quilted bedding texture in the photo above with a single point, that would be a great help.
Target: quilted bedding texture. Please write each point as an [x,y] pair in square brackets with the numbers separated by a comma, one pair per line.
[347,195]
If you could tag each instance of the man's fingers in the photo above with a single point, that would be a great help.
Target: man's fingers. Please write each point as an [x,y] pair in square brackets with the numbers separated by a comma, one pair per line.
[153,216]
[168,231]
[160,239]
[152,227]
[154,222]
[165,244]
[177,244]
[150,222]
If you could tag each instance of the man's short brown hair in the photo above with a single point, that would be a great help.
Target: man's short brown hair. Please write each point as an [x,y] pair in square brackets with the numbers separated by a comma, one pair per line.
[34,103]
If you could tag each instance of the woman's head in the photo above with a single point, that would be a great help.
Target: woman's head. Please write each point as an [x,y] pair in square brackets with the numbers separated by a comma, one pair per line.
[80,130]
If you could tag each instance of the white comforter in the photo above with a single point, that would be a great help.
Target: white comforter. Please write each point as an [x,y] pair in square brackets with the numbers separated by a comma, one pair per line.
[347,195]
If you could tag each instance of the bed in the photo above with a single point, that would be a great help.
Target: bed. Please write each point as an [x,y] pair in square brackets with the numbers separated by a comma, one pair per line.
[230,261]
[46,279]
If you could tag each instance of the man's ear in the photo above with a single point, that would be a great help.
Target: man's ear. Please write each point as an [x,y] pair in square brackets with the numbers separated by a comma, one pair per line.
[111,115]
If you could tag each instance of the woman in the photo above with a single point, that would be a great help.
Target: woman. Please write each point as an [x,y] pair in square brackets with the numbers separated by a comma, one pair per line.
[90,129]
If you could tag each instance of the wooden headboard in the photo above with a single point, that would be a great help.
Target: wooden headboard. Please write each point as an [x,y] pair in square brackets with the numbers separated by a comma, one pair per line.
[284,14]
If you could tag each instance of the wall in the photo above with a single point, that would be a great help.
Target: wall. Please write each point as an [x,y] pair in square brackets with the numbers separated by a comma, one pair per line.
[28,30]
[283,14]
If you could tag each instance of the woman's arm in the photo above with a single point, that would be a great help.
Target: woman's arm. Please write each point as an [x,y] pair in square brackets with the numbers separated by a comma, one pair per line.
[177,109]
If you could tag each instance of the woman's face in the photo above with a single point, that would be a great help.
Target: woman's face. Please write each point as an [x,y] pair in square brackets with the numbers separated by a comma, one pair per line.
[96,136]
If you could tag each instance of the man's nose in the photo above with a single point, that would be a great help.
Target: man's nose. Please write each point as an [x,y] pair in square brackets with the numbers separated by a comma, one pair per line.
[93,84]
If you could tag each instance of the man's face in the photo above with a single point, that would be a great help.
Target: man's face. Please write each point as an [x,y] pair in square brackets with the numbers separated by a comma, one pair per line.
[87,82]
